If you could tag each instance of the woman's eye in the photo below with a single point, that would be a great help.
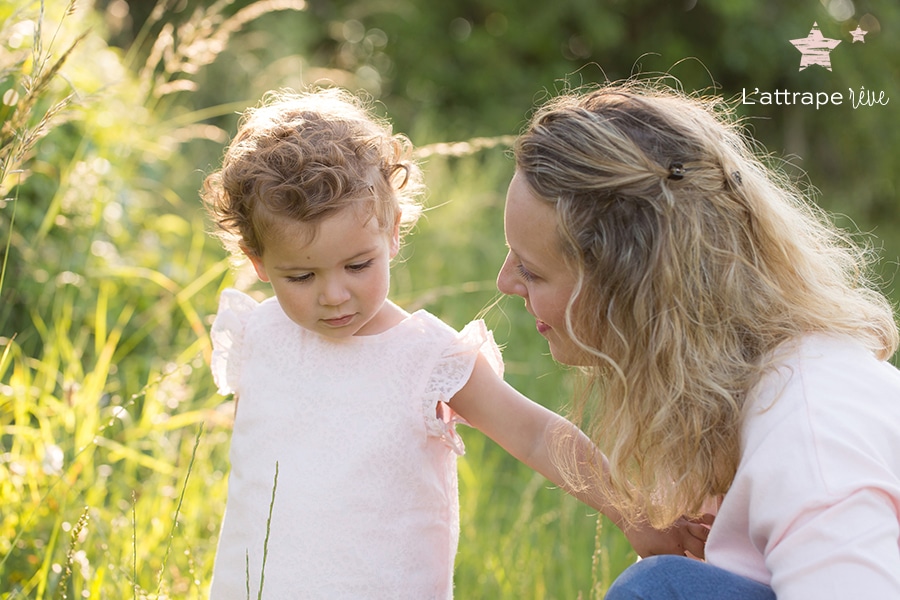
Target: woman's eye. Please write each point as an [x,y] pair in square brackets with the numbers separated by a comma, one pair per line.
[524,273]
[356,267]
[300,278]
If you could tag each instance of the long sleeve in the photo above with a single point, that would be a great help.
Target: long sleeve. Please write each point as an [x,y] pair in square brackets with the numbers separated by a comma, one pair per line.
[814,509]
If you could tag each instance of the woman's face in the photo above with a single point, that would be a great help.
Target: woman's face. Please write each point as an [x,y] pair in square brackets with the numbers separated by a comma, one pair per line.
[535,269]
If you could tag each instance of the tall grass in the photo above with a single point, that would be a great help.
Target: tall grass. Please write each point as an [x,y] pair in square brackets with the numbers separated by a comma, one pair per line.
[113,442]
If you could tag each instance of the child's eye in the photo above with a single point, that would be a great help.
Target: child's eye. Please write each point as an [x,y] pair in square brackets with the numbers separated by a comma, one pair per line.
[524,273]
[300,278]
[357,267]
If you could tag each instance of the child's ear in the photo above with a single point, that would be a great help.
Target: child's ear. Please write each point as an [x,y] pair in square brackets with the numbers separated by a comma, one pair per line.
[257,262]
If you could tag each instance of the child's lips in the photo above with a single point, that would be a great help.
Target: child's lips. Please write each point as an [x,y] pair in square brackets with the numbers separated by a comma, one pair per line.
[339,321]
[541,326]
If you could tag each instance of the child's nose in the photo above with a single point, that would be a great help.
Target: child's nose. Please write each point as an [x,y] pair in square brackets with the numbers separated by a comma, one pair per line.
[334,293]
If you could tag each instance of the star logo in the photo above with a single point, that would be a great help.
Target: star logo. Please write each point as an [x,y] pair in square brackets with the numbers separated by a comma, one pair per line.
[815,48]
[858,35]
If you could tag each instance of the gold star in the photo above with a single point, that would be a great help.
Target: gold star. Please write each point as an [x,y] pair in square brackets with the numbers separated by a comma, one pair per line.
[815,48]
[858,35]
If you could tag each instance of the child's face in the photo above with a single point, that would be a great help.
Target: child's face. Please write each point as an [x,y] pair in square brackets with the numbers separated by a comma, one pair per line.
[535,268]
[337,284]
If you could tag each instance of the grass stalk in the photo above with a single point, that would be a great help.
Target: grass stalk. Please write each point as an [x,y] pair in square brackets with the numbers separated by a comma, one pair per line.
[262,571]
[134,583]
[599,564]
[62,591]
[171,535]
[12,225]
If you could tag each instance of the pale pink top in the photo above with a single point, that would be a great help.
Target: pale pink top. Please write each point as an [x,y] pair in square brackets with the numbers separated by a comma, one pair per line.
[366,504]
[814,510]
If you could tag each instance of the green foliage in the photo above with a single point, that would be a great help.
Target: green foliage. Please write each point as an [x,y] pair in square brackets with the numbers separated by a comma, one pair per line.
[113,443]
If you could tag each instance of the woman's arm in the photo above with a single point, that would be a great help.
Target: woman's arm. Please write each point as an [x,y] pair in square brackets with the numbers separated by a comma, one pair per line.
[531,433]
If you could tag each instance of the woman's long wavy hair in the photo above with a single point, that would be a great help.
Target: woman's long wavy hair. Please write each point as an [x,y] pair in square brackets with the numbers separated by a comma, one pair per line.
[694,261]
[301,157]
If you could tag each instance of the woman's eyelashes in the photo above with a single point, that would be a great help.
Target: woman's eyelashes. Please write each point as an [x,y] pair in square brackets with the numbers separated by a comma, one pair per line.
[524,273]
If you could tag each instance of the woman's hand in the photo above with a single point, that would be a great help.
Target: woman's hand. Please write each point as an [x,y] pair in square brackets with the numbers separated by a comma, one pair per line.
[686,537]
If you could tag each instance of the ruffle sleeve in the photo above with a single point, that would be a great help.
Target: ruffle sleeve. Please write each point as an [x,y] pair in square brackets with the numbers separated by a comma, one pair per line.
[227,335]
[450,374]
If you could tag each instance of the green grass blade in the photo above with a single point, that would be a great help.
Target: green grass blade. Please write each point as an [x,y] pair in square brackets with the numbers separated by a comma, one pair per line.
[262,572]
[12,224]
[178,508]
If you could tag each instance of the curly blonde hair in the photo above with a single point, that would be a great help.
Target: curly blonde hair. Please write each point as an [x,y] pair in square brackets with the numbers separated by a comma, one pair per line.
[306,156]
[694,261]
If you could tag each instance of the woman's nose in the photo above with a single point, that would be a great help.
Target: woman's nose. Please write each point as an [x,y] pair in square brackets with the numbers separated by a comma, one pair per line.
[507,282]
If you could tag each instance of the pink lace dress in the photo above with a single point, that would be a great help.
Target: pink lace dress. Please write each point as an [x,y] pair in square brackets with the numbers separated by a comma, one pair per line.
[364,445]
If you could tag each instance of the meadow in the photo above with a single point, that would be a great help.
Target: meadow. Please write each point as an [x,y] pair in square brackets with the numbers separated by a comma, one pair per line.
[113,440]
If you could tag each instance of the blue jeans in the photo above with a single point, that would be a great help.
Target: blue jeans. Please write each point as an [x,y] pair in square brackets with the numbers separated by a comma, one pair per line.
[681,578]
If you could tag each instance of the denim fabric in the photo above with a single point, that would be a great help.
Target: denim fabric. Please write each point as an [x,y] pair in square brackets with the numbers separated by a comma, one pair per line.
[681,578]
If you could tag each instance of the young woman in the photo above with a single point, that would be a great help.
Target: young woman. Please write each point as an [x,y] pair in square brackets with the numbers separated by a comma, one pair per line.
[736,348]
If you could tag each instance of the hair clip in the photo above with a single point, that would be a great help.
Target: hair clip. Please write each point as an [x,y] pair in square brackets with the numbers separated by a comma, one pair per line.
[676,171]
[736,176]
